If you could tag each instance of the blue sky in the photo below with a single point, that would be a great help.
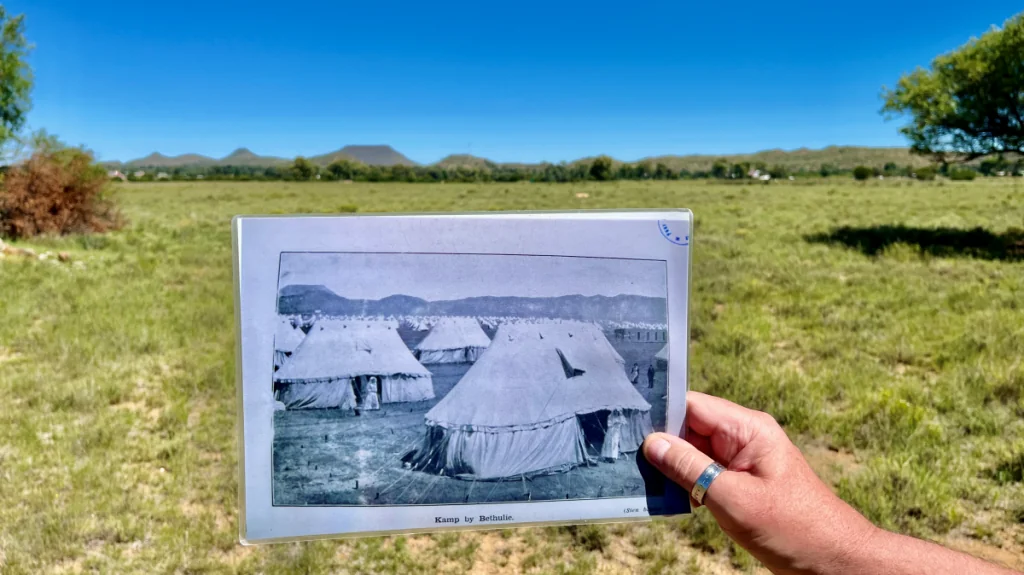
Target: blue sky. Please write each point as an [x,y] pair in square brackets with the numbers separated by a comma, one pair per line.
[523,81]
[436,277]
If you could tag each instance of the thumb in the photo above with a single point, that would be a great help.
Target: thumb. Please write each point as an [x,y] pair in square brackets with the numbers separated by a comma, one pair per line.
[676,458]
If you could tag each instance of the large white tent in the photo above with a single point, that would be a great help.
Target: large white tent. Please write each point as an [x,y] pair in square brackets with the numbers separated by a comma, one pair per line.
[453,340]
[531,405]
[337,354]
[661,358]
[287,338]
[593,330]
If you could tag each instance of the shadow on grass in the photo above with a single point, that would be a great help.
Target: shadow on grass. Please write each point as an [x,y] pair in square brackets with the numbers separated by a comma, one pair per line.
[943,242]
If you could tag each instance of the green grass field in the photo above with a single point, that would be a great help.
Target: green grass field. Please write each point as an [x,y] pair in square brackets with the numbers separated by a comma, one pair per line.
[892,355]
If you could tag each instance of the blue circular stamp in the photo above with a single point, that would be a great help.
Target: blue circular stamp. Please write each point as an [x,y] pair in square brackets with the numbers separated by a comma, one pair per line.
[666,232]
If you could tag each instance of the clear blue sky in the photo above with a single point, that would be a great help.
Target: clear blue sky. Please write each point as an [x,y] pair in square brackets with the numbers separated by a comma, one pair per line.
[515,81]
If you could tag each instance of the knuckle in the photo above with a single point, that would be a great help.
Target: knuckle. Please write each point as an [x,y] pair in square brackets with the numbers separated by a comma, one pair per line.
[683,463]
[768,420]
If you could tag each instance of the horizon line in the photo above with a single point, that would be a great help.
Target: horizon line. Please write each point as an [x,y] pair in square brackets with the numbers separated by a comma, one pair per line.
[470,155]
[465,298]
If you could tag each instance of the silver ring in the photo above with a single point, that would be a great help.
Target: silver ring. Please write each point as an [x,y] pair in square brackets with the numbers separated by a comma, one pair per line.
[704,481]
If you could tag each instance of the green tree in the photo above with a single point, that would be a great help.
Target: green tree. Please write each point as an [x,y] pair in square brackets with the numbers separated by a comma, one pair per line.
[778,172]
[400,173]
[962,174]
[344,169]
[862,173]
[970,104]
[992,166]
[663,172]
[15,76]
[739,170]
[303,169]
[827,170]
[719,169]
[601,168]
[925,173]
[644,170]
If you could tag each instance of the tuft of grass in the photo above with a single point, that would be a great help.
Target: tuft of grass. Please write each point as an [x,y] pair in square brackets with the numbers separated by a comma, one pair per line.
[915,496]
[589,537]
[1011,469]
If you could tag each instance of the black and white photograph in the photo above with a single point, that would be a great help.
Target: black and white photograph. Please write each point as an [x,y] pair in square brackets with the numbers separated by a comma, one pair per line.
[442,378]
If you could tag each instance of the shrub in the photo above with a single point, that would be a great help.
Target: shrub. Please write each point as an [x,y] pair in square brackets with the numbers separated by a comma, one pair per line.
[925,173]
[56,192]
[862,172]
[962,174]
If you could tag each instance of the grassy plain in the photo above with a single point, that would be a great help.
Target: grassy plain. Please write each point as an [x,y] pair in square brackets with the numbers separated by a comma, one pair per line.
[892,355]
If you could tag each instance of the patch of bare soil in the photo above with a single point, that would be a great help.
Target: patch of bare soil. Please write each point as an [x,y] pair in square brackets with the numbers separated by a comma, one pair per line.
[830,464]
[1004,546]
[7,355]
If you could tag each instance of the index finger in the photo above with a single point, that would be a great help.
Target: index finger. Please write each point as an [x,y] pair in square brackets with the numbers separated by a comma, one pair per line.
[709,416]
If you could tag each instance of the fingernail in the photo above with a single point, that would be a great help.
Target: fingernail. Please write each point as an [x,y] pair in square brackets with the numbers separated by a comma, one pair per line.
[657,450]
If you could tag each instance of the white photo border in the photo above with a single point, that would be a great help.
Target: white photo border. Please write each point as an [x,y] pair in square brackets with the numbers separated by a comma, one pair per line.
[259,241]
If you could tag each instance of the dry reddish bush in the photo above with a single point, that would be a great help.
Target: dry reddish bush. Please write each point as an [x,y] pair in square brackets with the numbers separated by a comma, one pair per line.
[56,192]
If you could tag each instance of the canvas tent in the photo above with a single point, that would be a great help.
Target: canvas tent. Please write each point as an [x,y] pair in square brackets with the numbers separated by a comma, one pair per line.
[596,332]
[661,358]
[286,339]
[336,357]
[534,403]
[453,340]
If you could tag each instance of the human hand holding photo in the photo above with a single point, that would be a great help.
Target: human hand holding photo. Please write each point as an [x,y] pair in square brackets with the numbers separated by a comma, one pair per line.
[770,501]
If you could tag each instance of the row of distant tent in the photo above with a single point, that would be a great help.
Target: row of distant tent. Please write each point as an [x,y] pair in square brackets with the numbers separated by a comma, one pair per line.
[520,409]
[426,322]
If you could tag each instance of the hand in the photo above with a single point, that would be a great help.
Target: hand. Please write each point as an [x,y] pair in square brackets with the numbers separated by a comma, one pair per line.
[770,501]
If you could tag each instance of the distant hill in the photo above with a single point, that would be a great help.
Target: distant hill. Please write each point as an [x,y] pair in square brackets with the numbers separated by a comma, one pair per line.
[369,155]
[330,158]
[843,157]
[465,161]
[156,159]
[307,299]
[240,157]
[245,157]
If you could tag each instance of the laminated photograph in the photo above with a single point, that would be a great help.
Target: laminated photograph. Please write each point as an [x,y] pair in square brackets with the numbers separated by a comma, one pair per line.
[409,373]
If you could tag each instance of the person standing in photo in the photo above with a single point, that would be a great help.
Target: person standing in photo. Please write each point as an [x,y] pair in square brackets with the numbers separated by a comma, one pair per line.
[650,376]
[370,399]
[634,374]
[613,437]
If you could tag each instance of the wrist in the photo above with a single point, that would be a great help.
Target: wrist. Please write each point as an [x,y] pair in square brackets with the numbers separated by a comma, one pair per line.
[853,554]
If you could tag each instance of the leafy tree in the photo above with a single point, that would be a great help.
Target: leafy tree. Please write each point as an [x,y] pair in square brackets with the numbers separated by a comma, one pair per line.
[643,170]
[925,173]
[15,76]
[719,169]
[962,174]
[970,104]
[890,169]
[303,169]
[778,172]
[663,172]
[400,173]
[992,166]
[601,168]
[344,169]
[862,173]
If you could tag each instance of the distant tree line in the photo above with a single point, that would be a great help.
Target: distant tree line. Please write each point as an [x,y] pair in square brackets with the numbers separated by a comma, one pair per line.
[601,168]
